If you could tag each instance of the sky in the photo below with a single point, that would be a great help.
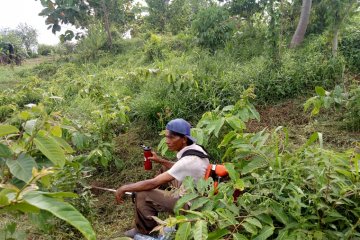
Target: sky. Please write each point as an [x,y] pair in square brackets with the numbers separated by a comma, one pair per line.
[14,12]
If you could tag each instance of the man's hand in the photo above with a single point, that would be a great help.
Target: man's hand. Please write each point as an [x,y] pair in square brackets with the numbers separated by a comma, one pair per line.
[168,164]
[156,158]
[119,193]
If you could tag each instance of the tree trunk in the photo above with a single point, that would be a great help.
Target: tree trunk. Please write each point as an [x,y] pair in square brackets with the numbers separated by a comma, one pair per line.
[273,33]
[281,23]
[107,23]
[335,42]
[340,16]
[302,25]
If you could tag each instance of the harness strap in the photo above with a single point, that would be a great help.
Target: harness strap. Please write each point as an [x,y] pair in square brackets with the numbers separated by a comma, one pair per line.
[193,152]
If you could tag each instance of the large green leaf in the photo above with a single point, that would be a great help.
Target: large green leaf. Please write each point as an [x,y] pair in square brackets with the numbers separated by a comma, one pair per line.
[218,125]
[22,167]
[61,210]
[199,135]
[232,172]
[22,207]
[210,215]
[238,236]
[184,231]
[79,140]
[244,114]
[60,194]
[218,234]
[5,152]
[313,138]
[7,129]
[265,218]
[320,91]
[236,123]
[255,113]
[253,221]
[279,213]
[51,149]
[265,233]
[67,148]
[257,162]
[227,138]
[283,234]
[200,230]
[197,203]
[3,198]
[239,184]
[249,228]
[180,203]
[30,126]
[215,126]
[227,215]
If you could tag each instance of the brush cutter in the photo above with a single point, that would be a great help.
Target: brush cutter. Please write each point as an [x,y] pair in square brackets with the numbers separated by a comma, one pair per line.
[132,194]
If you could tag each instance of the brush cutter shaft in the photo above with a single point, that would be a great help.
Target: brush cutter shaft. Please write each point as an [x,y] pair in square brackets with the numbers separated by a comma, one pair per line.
[110,190]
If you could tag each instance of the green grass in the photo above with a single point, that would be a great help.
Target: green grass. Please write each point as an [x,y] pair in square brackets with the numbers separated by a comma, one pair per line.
[8,77]
[126,74]
[9,74]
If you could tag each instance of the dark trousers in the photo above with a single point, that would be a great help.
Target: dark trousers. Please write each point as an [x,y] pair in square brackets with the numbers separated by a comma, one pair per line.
[150,203]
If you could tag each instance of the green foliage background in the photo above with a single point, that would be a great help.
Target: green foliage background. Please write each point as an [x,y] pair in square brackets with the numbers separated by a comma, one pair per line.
[212,65]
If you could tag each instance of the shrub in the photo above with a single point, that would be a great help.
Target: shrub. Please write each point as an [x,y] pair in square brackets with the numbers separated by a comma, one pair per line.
[347,103]
[154,48]
[283,191]
[6,112]
[65,48]
[45,70]
[350,48]
[46,50]
[300,70]
[247,43]
[27,96]
[181,42]
[213,27]
[352,116]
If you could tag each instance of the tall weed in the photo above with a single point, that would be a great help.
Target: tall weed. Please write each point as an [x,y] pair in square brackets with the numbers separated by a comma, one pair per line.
[347,103]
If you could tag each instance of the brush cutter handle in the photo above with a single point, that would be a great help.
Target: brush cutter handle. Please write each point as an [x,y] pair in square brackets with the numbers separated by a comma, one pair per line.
[110,190]
[119,194]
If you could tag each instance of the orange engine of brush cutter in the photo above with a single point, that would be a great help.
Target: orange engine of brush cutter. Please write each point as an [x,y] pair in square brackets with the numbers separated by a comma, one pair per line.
[218,170]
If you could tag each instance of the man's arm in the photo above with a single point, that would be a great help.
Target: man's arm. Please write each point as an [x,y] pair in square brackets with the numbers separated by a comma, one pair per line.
[166,163]
[143,185]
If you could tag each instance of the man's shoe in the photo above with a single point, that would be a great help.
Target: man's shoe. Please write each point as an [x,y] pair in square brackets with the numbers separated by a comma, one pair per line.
[131,233]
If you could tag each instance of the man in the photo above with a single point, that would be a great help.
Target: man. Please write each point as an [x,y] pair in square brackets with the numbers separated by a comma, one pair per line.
[149,200]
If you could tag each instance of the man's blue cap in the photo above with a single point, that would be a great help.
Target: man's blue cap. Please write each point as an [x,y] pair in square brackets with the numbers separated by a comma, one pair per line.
[181,126]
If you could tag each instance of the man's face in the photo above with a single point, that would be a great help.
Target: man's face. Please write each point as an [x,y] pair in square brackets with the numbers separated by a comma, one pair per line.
[174,143]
